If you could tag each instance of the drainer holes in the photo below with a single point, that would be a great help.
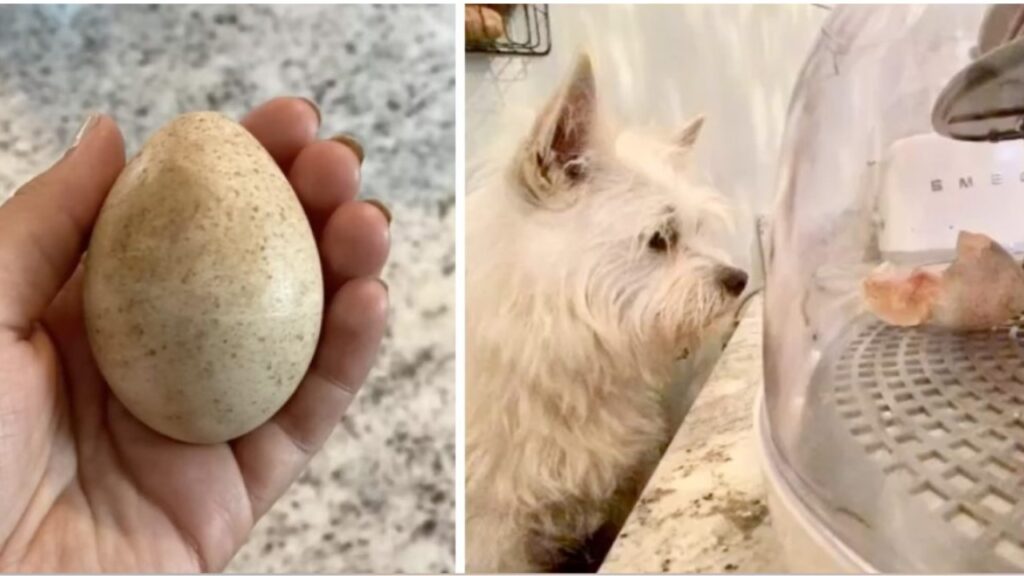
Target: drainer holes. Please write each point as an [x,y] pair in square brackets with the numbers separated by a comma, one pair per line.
[997,469]
[966,523]
[970,395]
[965,449]
[1017,453]
[997,502]
[919,415]
[995,436]
[1010,551]
[860,430]
[936,429]
[931,497]
[966,420]
[961,480]
[907,438]
[933,461]
[899,473]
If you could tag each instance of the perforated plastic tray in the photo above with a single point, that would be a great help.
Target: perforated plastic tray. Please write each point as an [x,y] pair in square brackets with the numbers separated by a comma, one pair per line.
[944,412]
[912,452]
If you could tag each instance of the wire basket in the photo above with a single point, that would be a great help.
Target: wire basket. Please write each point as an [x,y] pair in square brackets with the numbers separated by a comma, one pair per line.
[527,32]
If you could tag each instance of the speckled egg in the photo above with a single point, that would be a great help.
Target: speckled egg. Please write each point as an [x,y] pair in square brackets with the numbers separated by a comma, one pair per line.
[203,288]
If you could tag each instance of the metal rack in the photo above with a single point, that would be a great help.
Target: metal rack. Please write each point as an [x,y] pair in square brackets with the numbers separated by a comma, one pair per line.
[527,33]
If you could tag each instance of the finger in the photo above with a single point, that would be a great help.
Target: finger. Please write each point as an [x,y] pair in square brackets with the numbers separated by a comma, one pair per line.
[284,126]
[355,243]
[325,175]
[84,383]
[273,455]
[196,485]
[45,227]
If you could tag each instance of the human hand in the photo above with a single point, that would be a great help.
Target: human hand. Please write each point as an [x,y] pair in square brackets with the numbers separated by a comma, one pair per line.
[84,486]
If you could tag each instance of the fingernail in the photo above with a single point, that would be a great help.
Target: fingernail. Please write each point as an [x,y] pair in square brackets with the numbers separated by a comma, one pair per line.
[380,206]
[319,117]
[352,144]
[90,121]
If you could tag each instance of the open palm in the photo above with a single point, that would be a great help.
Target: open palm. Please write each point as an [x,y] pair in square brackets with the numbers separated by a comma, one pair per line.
[84,486]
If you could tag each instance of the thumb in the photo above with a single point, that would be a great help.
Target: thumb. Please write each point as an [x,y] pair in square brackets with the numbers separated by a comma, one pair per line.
[45,226]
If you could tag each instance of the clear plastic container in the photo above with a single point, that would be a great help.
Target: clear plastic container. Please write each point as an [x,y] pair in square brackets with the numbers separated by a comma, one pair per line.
[903,447]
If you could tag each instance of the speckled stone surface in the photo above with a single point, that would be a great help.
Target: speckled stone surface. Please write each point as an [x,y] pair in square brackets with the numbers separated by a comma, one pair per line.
[705,508]
[379,498]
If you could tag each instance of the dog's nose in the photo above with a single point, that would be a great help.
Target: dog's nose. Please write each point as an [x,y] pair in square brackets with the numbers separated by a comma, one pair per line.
[733,280]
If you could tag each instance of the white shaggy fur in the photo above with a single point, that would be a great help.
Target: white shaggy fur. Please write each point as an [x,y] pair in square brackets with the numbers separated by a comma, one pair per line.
[574,319]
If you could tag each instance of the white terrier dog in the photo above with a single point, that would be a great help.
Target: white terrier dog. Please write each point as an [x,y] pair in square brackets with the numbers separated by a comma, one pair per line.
[587,278]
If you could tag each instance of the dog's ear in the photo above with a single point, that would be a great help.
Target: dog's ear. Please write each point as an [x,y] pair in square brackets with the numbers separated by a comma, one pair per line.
[687,137]
[556,155]
[680,156]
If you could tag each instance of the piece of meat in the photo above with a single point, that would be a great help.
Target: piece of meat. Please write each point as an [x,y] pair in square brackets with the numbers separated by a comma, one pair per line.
[901,297]
[981,289]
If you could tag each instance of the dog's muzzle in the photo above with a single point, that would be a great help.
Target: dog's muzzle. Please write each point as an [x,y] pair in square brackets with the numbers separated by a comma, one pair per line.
[732,280]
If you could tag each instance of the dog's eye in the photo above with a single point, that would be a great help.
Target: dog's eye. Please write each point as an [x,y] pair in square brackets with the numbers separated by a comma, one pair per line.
[575,170]
[657,242]
[662,240]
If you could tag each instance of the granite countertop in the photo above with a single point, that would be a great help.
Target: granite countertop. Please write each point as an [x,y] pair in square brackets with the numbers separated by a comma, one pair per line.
[705,508]
[379,497]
